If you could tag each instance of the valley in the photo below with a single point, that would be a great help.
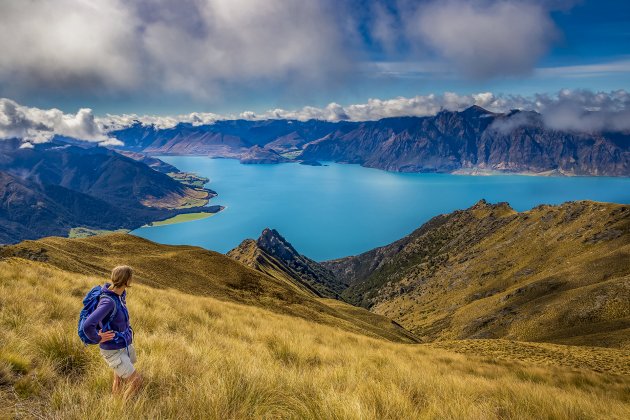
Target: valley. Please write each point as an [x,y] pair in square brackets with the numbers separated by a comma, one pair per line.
[556,274]
[553,274]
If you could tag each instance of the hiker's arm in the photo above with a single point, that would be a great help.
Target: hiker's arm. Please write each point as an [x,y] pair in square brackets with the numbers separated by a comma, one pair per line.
[90,326]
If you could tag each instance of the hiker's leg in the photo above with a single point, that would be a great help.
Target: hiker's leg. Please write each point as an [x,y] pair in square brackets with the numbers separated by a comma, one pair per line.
[117,384]
[134,382]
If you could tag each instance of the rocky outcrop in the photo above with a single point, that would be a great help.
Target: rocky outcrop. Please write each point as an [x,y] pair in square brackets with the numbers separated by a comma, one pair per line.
[275,256]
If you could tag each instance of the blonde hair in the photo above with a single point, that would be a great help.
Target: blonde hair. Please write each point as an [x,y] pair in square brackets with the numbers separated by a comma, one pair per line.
[121,275]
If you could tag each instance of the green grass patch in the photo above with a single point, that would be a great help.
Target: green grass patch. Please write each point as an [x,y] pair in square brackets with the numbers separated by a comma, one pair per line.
[190,179]
[82,232]
[181,218]
[66,354]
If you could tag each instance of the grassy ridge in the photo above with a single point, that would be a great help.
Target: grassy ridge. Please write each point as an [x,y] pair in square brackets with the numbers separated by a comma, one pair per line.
[83,232]
[207,358]
[557,274]
[195,271]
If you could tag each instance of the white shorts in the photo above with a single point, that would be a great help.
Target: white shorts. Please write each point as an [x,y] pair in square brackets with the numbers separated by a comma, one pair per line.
[121,360]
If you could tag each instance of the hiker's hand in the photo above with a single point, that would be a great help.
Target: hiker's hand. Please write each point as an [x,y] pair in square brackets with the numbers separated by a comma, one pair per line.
[106,336]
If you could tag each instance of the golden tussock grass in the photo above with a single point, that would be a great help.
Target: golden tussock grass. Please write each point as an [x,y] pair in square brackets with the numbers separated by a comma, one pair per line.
[200,272]
[206,358]
[556,274]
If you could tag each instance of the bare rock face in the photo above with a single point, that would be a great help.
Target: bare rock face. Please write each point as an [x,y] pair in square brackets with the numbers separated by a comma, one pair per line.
[273,243]
[475,139]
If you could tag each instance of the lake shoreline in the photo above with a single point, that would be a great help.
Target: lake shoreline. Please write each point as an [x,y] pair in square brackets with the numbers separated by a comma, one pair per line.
[183,218]
[551,173]
[338,210]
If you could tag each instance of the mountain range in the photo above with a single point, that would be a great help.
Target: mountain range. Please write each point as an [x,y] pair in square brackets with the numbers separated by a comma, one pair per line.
[54,187]
[470,141]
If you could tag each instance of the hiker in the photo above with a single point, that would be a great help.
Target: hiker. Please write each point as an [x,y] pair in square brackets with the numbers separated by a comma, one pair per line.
[116,341]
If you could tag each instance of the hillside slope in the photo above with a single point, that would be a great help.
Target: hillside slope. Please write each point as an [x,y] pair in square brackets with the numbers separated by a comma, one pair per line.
[195,271]
[553,274]
[99,172]
[207,358]
[30,210]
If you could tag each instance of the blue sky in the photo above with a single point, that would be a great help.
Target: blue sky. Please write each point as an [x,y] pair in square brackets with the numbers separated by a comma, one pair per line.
[228,56]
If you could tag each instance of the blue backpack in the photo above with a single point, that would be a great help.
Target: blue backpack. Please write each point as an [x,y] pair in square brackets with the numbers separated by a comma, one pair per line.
[90,302]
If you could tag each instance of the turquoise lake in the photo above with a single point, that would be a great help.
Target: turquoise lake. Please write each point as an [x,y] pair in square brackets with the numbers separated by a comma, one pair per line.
[338,210]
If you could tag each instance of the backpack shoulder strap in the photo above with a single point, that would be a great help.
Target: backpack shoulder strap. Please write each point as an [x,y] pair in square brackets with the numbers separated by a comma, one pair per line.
[111,316]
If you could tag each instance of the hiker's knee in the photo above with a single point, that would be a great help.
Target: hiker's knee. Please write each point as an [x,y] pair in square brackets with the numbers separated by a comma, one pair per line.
[135,378]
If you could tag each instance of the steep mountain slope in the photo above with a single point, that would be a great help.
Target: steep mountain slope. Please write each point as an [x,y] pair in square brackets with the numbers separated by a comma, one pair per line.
[273,255]
[98,172]
[196,271]
[472,140]
[257,154]
[29,210]
[53,187]
[554,273]
[223,138]
[151,162]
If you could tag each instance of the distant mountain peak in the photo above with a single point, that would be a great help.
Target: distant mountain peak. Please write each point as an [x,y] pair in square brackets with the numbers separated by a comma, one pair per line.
[472,139]
[476,110]
[499,209]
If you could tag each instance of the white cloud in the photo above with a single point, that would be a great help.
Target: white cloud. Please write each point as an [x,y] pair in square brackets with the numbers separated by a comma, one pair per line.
[116,122]
[584,110]
[587,70]
[194,47]
[111,142]
[65,45]
[206,48]
[35,125]
[375,109]
[578,110]
[485,39]
[384,27]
